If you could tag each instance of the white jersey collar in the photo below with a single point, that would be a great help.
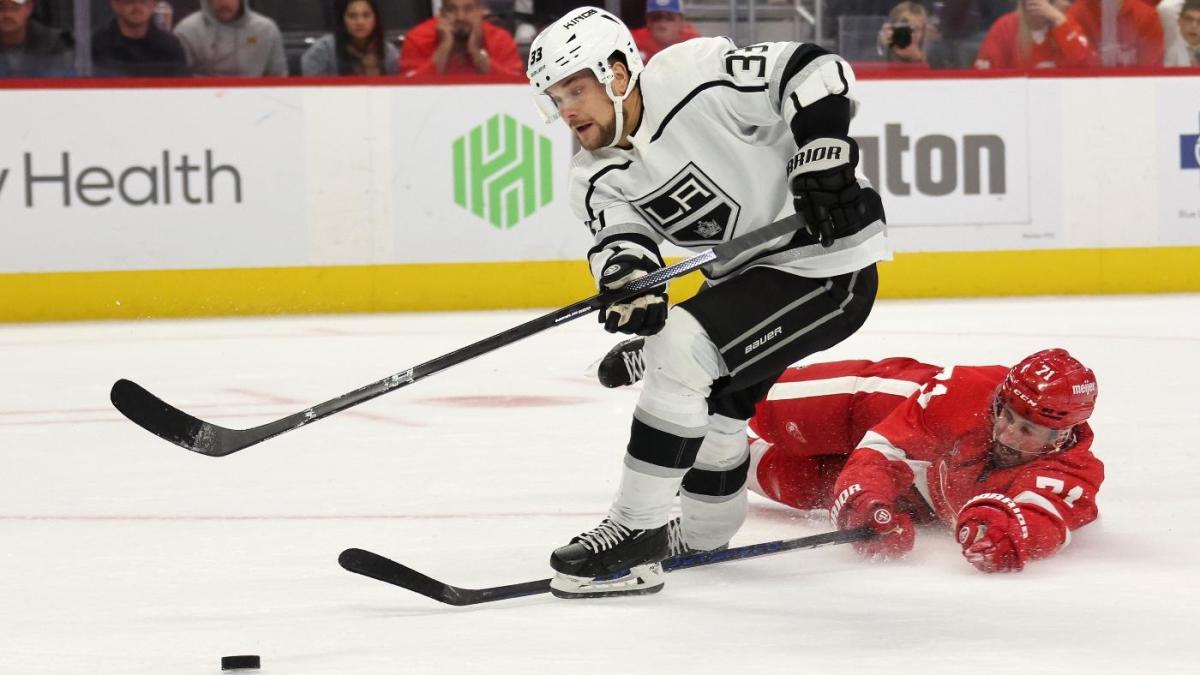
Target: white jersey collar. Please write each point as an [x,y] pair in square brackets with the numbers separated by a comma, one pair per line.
[640,140]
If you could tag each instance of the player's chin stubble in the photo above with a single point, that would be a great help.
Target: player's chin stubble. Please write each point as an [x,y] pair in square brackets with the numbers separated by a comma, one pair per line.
[601,136]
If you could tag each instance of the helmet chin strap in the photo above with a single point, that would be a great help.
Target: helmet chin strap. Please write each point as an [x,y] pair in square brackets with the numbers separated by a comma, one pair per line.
[619,108]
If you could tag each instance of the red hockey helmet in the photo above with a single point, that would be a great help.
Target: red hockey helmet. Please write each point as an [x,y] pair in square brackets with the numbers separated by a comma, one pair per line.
[1050,388]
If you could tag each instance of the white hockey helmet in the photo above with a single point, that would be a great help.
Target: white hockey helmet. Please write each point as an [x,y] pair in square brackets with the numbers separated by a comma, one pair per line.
[584,38]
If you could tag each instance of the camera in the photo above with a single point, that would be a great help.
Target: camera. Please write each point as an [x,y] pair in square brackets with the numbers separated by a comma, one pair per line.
[901,36]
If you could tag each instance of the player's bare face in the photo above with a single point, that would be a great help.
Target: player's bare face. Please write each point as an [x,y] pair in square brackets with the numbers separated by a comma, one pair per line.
[1016,440]
[585,106]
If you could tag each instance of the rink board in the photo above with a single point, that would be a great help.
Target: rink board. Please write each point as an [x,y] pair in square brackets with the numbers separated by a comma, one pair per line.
[470,286]
[333,198]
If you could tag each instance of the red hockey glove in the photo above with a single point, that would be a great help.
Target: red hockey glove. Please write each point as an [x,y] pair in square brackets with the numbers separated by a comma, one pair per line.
[992,532]
[895,535]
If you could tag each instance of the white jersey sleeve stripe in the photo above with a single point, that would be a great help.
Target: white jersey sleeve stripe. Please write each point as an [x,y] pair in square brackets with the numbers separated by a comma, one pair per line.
[875,441]
[1034,499]
[776,83]
[1029,497]
[824,76]
[842,385]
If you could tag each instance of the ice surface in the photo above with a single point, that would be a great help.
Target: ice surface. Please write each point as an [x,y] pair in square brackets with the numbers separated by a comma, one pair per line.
[120,553]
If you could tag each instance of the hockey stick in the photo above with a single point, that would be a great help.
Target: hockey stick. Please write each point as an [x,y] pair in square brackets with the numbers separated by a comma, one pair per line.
[389,571]
[170,423]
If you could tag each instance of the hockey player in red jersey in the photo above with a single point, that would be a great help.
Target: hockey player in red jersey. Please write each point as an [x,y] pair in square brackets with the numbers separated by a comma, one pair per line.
[1002,455]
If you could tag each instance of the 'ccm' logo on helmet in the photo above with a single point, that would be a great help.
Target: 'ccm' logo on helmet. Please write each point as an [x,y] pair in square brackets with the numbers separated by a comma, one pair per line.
[576,19]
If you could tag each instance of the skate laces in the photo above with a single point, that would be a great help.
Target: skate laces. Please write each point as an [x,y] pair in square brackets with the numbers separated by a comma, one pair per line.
[622,365]
[676,543]
[606,535]
[635,364]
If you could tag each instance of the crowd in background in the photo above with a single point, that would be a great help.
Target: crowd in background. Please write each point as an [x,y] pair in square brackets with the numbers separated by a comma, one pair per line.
[490,38]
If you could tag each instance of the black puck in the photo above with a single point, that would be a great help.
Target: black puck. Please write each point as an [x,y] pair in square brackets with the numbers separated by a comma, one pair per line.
[240,662]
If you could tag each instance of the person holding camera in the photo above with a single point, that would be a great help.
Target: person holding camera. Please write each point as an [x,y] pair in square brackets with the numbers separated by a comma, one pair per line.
[1039,34]
[904,39]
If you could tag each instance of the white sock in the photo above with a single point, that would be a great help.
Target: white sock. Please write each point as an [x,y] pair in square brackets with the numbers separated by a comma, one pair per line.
[644,500]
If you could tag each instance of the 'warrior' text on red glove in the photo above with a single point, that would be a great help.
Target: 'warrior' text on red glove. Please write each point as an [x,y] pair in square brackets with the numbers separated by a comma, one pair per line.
[854,508]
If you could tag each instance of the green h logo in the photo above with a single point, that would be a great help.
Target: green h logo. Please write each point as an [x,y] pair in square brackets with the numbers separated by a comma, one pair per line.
[502,171]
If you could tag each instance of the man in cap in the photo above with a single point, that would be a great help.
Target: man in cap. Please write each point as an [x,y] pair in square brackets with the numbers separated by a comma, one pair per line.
[665,25]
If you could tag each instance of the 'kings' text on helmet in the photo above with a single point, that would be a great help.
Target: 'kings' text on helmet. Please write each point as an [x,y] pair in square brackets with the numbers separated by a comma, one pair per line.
[583,39]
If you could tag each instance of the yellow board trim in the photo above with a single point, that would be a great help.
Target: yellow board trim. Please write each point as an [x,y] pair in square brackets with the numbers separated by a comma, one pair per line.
[476,286]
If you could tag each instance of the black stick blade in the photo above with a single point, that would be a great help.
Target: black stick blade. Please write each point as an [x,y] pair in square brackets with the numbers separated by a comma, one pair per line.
[168,422]
[389,571]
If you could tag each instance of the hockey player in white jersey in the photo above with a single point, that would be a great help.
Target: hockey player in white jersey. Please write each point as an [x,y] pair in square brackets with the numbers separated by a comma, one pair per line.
[706,143]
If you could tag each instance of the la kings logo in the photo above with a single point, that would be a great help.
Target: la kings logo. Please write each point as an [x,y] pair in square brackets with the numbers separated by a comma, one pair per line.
[690,209]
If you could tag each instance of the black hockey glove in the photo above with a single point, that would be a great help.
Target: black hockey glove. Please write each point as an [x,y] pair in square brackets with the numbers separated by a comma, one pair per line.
[825,189]
[643,314]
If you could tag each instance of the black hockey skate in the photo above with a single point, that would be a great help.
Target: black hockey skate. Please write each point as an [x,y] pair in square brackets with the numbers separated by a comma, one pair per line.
[610,560]
[623,364]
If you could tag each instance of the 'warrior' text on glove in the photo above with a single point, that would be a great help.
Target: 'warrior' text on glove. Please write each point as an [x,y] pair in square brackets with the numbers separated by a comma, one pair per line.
[825,189]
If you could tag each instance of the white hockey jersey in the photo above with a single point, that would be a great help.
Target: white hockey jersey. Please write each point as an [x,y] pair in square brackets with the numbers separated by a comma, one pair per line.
[708,159]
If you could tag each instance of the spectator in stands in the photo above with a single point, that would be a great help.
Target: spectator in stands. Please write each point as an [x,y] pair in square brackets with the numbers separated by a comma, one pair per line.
[356,46]
[1139,33]
[226,38]
[132,46]
[904,37]
[1184,47]
[665,25]
[1037,35]
[30,49]
[1168,16]
[459,41]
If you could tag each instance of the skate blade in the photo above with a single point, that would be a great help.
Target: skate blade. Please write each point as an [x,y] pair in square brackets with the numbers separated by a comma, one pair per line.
[641,580]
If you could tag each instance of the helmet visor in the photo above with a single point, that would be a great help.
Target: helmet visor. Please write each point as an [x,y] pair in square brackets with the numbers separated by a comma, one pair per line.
[547,107]
[1018,440]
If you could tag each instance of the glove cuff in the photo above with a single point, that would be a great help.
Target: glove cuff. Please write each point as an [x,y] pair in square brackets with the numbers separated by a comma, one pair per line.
[850,499]
[1001,503]
[822,154]
[613,260]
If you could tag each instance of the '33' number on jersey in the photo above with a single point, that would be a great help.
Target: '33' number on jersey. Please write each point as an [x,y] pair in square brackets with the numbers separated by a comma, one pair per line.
[748,63]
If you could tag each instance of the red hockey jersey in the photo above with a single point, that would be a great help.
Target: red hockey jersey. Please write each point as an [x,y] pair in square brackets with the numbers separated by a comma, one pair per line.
[815,415]
[929,449]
